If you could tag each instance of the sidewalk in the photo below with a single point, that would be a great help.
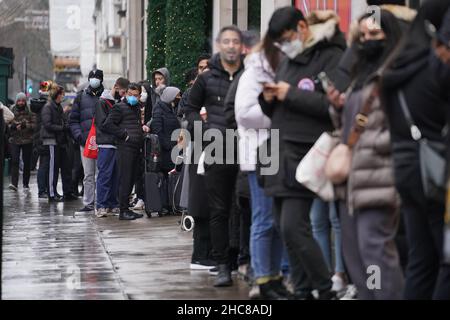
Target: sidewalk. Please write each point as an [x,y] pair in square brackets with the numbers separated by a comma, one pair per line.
[51,254]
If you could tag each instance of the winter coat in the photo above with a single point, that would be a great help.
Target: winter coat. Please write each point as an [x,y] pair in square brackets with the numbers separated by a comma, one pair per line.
[83,111]
[371,180]
[54,125]
[164,123]
[210,91]
[22,116]
[102,111]
[124,121]
[249,116]
[36,106]
[230,99]
[304,115]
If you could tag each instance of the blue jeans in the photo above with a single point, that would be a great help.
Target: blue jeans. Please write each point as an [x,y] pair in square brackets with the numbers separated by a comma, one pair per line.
[266,246]
[107,180]
[323,218]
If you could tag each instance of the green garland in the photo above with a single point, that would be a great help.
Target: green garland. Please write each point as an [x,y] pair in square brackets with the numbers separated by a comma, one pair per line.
[156,26]
[185,36]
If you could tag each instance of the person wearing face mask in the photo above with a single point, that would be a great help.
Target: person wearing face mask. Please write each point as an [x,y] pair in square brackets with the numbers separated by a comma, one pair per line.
[411,71]
[124,123]
[298,108]
[80,124]
[21,139]
[54,134]
[107,182]
[369,209]
[164,123]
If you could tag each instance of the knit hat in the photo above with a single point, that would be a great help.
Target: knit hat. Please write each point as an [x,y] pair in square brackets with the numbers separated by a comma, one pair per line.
[97,74]
[169,94]
[21,96]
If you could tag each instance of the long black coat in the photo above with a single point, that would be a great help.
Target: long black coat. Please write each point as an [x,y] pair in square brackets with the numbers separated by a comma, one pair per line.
[304,115]
[164,123]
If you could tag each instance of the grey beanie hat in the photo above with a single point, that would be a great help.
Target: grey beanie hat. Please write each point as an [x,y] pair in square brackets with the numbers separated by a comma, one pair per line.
[169,94]
[21,96]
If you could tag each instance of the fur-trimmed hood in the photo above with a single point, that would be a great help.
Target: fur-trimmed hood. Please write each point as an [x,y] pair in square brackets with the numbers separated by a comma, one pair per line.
[323,25]
[403,13]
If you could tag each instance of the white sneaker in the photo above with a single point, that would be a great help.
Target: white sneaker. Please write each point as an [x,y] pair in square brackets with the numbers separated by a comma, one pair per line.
[338,283]
[140,205]
[351,293]
[101,213]
[113,212]
[13,187]
[254,293]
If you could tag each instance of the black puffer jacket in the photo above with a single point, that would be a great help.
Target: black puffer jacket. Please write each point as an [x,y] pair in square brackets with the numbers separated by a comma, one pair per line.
[54,124]
[125,121]
[304,115]
[209,91]
[36,106]
[102,110]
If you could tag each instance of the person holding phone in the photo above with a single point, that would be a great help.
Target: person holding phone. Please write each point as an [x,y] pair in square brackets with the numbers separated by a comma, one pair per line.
[300,111]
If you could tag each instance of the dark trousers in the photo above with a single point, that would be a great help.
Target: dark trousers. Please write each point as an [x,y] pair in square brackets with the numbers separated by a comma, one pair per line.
[309,270]
[27,150]
[139,185]
[202,240]
[245,216]
[128,161]
[77,167]
[44,167]
[368,239]
[59,162]
[107,179]
[427,277]
[220,183]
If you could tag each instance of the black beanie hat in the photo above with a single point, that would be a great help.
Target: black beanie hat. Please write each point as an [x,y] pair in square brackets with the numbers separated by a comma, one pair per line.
[97,74]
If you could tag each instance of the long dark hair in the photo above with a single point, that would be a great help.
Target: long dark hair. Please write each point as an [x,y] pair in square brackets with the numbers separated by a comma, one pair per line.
[392,30]
[271,52]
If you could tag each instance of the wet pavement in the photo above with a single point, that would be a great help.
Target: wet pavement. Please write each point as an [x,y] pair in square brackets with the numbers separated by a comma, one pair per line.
[50,253]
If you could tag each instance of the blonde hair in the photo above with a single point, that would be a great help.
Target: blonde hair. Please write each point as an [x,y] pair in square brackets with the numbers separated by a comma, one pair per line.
[55,90]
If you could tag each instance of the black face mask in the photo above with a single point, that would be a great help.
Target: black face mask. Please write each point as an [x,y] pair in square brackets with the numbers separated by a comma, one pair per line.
[117,96]
[372,49]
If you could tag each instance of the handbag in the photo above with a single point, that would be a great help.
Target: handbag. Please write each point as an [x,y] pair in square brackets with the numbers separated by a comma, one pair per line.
[431,158]
[311,170]
[338,166]
[91,147]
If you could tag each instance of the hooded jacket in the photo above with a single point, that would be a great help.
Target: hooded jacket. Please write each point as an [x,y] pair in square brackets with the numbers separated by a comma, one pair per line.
[253,124]
[102,110]
[8,116]
[22,116]
[304,114]
[164,123]
[156,92]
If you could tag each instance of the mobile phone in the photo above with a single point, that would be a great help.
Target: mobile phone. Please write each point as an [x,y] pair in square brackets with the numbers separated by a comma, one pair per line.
[325,80]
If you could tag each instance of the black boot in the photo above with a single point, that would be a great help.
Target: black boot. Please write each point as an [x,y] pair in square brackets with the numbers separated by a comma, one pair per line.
[281,289]
[268,292]
[224,277]
[126,215]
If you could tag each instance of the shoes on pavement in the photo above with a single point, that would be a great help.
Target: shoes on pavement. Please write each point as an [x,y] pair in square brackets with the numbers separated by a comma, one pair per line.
[140,205]
[43,196]
[101,213]
[113,212]
[70,197]
[223,278]
[127,216]
[202,265]
[269,291]
[13,187]
[55,199]
[86,209]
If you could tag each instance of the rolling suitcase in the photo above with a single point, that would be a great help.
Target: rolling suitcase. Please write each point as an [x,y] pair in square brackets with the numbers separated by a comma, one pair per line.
[152,178]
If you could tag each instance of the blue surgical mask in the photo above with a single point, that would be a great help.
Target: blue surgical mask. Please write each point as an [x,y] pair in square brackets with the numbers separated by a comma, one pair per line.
[95,83]
[132,100]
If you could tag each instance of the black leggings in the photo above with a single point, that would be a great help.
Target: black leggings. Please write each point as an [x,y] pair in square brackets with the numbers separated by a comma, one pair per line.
[15,161]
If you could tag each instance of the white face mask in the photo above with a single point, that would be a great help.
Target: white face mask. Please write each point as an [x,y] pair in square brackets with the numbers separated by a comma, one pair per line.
[292,49]
[95,83]
[144,97]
